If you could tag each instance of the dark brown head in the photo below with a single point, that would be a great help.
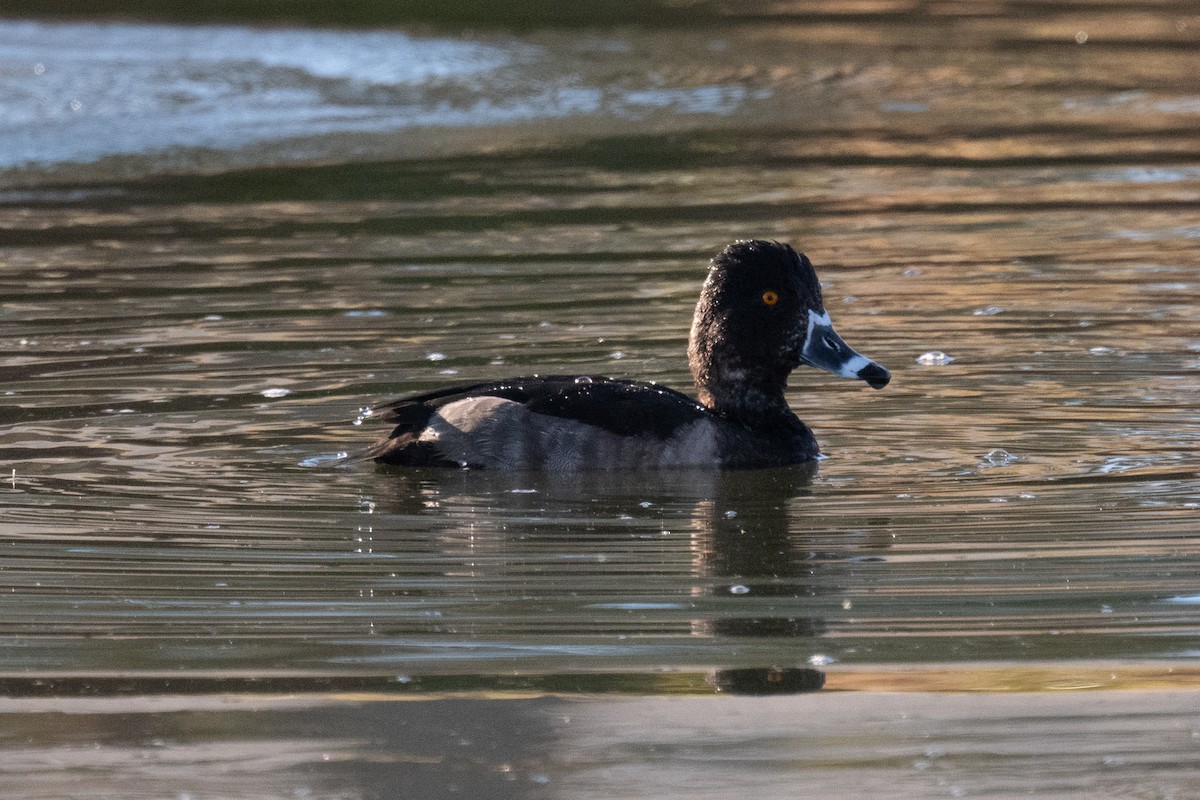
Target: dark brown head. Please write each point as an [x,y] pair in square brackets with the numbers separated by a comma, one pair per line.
[760,315]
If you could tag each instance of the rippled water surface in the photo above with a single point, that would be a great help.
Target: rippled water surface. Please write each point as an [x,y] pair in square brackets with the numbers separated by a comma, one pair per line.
[207,272]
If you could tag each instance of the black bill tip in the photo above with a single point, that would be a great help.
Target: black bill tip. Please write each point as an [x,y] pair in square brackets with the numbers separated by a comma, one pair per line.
[876,376]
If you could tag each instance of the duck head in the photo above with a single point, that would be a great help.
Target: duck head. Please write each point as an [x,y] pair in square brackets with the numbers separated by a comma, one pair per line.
[760,316]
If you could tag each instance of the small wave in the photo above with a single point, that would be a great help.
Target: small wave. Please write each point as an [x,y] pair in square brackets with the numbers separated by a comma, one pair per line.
[172,98]
[82,91]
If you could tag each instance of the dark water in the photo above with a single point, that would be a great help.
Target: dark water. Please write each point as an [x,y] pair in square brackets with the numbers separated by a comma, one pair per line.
[218,244]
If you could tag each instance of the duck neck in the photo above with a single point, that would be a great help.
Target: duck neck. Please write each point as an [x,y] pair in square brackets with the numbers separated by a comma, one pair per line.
[740,387]
[743,394]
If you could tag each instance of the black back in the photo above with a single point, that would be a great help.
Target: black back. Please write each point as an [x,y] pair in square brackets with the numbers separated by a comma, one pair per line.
[622,407]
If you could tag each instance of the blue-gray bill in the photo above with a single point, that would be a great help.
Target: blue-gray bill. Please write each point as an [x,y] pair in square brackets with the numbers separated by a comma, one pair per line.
[824,349]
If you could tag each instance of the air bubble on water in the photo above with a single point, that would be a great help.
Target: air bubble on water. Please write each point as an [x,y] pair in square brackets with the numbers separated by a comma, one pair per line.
[999,458]
[739,589]
[820,660]
[646,504]
[987,311]
[366,312]
[277,392]
[583,380]
[616,355]
[1101,350]
[1106,609]
[213,318]
[324,460]
[934,358]
[730,514]
[435,356]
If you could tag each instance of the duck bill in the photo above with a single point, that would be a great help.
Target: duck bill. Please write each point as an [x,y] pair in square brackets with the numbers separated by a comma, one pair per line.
[824,349]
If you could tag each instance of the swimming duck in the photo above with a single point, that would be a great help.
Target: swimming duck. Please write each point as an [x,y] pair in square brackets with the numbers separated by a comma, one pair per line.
[760,315]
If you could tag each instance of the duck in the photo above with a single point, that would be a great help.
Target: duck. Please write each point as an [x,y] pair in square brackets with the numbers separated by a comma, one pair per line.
[760,315]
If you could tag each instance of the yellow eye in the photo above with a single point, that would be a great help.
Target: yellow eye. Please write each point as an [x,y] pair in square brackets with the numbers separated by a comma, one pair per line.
[770,298]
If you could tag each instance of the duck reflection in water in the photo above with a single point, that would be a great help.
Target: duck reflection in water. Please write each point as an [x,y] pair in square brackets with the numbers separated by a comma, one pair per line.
[737,538]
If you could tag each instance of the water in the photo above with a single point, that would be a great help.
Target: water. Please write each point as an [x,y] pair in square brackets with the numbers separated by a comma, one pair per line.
[241,236]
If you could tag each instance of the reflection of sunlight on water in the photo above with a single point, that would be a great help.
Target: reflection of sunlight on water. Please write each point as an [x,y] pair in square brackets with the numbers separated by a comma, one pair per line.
[293,83]
[1118,464]
[1186,232]
[186,97]
[1147,174]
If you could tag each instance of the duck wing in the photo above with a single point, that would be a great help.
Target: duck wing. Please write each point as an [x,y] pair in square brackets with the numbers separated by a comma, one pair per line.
[621,407]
